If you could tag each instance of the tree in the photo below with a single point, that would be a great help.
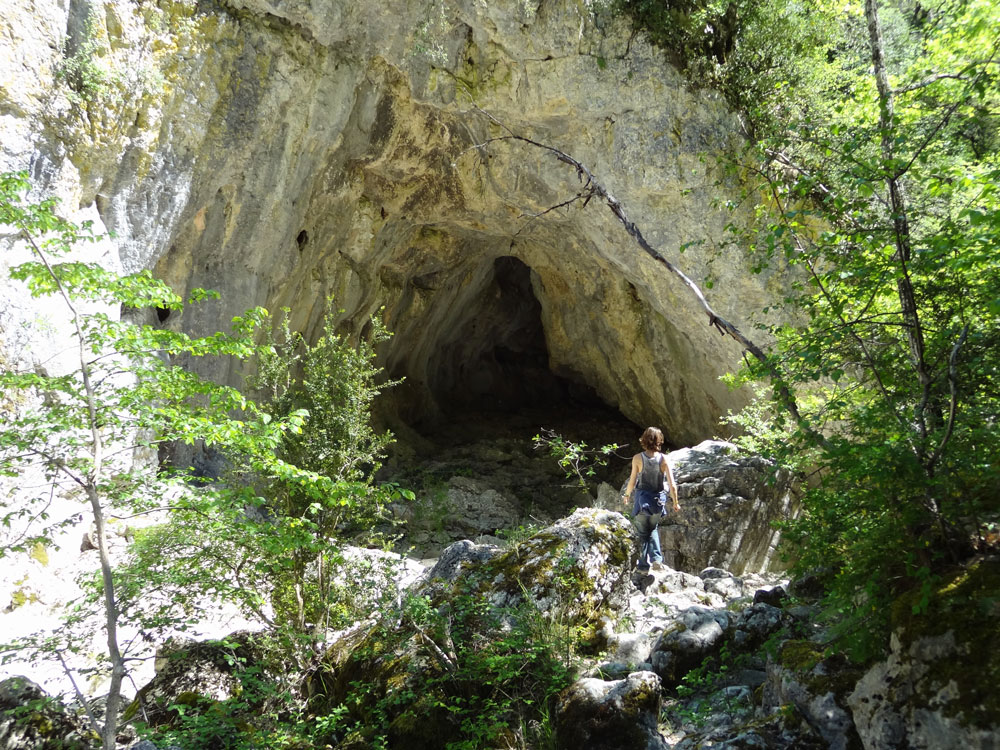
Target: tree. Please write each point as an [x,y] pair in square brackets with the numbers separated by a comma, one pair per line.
[81,427]
[880,186]
[336,381]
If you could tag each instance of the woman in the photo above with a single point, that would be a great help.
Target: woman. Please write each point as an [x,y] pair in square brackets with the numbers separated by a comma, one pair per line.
[650,481]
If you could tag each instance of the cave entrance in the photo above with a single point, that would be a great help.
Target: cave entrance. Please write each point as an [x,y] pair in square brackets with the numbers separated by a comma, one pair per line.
[490,378]
[496,359]
[473,461]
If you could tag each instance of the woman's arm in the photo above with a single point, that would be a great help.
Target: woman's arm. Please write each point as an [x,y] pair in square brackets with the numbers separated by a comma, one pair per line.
[668,476]
[636,468]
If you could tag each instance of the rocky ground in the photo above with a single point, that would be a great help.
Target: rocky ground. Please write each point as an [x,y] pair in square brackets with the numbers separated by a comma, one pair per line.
[706,651]
[483,476]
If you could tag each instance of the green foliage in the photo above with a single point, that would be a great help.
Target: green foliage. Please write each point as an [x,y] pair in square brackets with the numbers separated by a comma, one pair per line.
[79,429]
[577,459]
[762,430]
[703,691]
[480,675]
[81,69]
[882,207]
[336,382]
[125,391]
[285,565]
[730,45]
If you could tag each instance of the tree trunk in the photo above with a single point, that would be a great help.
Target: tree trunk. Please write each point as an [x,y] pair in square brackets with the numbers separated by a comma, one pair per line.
[90,483]
[900,220]
[111,622]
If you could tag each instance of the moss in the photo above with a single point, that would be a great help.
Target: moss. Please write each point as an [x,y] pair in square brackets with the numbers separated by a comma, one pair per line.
[800,656]
[424,725]
[188,698]
[966,603]
[130,711]
[641,698]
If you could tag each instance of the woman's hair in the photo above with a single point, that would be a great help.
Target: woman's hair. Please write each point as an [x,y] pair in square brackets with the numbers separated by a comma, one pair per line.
[651,440]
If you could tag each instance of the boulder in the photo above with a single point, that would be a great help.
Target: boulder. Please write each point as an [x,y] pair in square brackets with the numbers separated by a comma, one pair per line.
[772,595]
[193,674]
[31,719]
[814,688]
[758,621]
[459,556]
[474,507]
[767,733]
[576,568]
[697,633]
[476,599]
[938,686]
[729,502]
[618,715]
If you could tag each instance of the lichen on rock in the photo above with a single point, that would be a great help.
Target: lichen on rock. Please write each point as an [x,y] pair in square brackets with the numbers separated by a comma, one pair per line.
[938,686]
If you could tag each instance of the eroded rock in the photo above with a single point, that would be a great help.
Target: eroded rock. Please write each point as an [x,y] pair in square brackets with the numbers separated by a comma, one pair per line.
[729,502]
[284,152]
[618,715]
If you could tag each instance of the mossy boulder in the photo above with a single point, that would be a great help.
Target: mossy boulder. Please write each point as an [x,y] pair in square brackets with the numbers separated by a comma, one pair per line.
[938,686]
[31,719]
[574,569]
[474,647]
[195,675]
[618,715]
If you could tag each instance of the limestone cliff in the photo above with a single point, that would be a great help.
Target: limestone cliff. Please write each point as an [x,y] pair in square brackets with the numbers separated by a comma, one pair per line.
[284,151]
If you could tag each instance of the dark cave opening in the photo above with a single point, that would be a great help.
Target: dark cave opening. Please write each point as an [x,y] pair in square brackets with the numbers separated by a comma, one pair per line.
[496,359]
[491,380]
[491,377]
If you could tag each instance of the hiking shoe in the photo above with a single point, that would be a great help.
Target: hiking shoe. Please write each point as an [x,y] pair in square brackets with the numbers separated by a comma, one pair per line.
[657,566]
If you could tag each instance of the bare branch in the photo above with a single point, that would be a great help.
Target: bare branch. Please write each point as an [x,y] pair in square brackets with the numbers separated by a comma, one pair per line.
[79,695]
[960,76]
[443,658]
[156,510]
[929,81]
[593,188]
[953,401]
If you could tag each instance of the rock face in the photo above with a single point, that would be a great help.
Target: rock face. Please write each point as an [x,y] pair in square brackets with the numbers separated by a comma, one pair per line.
[283,152]
[619,715]
[728,505]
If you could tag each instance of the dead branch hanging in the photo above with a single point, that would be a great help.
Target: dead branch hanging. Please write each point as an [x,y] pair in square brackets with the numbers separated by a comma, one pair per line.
[590,189]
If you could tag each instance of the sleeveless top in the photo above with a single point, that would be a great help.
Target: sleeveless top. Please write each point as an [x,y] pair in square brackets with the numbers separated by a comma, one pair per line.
[650,478]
